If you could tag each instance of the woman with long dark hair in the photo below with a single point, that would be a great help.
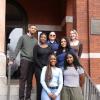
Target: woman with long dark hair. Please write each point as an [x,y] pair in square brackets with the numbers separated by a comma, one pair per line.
[73,78]
[64,47]
[51,80]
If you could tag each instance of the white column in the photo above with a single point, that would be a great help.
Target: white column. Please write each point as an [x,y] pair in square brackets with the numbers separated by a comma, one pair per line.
[3,83]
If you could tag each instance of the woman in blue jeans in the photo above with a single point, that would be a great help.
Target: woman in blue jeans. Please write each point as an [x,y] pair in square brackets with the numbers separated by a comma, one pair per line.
[51,80]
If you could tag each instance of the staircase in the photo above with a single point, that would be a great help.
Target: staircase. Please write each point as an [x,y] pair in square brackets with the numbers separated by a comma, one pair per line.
[90,90]
[14,92]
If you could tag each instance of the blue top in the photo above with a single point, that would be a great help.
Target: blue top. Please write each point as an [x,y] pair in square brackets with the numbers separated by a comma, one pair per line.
[61,57]
[54,46]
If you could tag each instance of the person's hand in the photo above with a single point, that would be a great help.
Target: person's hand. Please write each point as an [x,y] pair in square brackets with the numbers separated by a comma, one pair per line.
[54,97]
[50,95]
[10,62]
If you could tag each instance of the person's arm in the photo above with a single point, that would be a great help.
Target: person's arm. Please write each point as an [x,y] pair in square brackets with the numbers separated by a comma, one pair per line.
[35,53]
[80,49]
[60,83]
[18,47]
[42,80]
[82,78]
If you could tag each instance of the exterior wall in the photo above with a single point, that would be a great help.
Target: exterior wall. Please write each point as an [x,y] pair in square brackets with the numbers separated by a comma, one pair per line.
[3,81]
[49,12]
[94,13]
[82,28]
[46,12]
[85,11]
[69,12]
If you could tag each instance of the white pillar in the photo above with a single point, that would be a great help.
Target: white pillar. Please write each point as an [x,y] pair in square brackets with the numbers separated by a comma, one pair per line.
[3,80]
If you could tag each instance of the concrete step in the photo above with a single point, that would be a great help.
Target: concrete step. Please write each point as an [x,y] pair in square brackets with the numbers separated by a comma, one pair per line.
[14,92]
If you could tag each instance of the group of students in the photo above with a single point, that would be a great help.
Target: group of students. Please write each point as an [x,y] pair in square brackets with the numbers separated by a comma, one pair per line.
[59,74]
[58,70]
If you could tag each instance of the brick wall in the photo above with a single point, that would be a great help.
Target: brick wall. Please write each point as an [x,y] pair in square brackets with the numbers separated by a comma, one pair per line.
[47,12]
[87,10]
[50,12]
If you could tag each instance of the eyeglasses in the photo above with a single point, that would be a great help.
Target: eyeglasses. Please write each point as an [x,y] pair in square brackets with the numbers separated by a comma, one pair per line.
[53,35]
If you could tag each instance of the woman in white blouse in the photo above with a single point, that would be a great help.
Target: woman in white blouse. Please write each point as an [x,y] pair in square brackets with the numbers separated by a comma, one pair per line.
[73,78]
[51,80]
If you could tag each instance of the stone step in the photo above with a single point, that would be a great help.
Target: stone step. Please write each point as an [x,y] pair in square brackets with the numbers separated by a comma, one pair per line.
[14,92]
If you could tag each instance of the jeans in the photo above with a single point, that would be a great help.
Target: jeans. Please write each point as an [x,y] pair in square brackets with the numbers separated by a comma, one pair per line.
[44,95]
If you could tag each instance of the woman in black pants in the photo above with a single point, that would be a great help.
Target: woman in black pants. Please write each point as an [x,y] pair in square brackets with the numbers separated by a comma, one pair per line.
[41,54]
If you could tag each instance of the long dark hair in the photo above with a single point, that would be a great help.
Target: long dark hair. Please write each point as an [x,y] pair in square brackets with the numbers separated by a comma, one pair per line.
[48,74]
[76,62]
[68,47]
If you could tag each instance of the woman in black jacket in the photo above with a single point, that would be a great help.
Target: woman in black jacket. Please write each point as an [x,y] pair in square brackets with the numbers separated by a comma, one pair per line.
[41,54]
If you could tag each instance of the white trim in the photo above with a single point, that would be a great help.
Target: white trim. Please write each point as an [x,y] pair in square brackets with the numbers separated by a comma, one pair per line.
[69,19]
[90,55]
[98,86]
[49,27]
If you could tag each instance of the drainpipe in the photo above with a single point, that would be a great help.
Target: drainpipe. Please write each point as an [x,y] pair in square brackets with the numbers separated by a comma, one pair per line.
[88,28]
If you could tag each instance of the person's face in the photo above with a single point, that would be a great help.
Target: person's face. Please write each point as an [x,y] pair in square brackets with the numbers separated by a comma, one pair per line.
[32,29]
[53,60]
[70,59]
[63,43]
[52,36]
[73,36]
[43,39]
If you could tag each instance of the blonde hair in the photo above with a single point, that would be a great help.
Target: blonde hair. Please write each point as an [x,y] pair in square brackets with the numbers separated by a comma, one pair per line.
[74,32]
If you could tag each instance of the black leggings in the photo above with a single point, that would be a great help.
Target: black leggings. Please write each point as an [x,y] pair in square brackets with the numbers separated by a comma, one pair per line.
[39,86]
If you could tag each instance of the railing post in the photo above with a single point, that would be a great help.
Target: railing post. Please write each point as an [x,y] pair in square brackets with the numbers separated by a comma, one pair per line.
[9,78]
[90,90]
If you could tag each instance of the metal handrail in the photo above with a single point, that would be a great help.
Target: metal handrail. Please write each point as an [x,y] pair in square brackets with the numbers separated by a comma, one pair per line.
[90,90]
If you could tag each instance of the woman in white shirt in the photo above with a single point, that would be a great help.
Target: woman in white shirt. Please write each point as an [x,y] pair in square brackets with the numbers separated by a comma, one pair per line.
[51,80]
[73,78]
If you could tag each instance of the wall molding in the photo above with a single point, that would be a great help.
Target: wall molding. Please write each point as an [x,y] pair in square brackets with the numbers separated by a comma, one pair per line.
[67,19]
[90,55]
[49,27]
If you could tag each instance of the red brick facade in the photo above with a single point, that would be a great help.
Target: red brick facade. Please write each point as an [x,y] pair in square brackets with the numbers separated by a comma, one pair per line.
[87,10]
[52,12]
